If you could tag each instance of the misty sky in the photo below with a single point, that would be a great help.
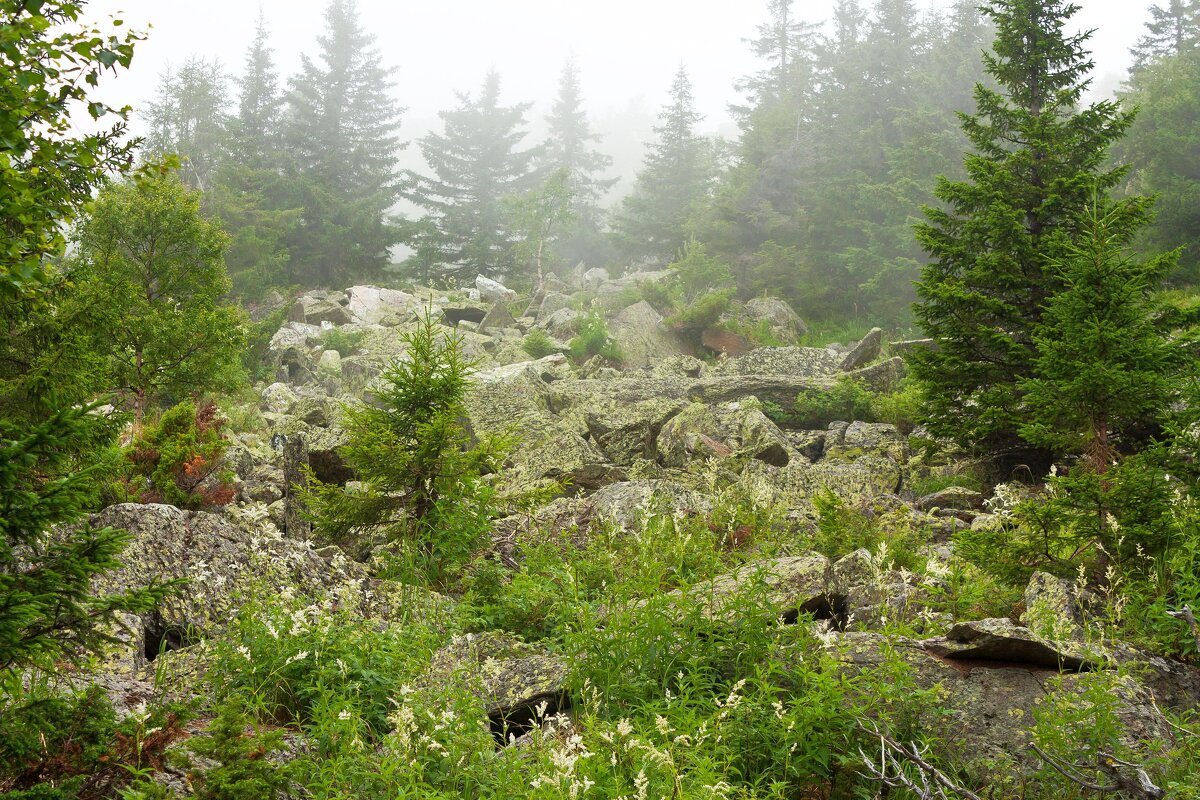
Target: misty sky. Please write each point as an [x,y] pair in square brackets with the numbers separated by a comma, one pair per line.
[627,49]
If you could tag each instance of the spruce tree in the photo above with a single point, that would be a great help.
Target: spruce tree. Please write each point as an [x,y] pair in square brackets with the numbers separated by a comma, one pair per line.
[340,129]
[1172,30]
[189,118]
[1039,156]
[1103,368]
[786,45]
[676,177]
[250,193]
[476,162]
[569,145]
[1162,151]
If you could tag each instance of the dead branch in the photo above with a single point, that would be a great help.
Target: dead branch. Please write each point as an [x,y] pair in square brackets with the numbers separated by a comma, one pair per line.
[1121,775]
[930,782]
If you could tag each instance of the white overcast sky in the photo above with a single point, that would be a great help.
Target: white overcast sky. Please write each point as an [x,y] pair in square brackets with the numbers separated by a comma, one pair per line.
[627,49]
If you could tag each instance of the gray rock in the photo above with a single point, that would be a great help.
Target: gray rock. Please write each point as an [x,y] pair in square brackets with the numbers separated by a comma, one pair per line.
[278,398]
[639,332]
[562,324]
[863,353]
[510,677]
[866,438]
[958,498]
[1004,641]
[497,317]
[491,291]
[731,430]
[551,303]
[798,362]
[784,323]
[792,585]
[372,305]
[882,377]
[330,364]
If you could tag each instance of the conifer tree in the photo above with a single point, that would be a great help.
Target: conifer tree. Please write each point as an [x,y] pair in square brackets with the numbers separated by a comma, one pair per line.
[1039,156]
[676,177]
[1172,30]
[569,145]
[250,193]
[786,45]
[189,119]
[1103,367]
[476,162]
[1162,151]
[341,128]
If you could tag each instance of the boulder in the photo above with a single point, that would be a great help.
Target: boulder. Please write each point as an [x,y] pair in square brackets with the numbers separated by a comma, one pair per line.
[848,442]
[737,429]
[491,291]
[595,278]
[1002,640]
[330,364]
[882,377]
[497,317]
[857,483]
[623,504]
[1056,607]
[319,310]
[639,332]
[562,324]
[678,366]
[293,335]
[791,585]
[798,362]
[726,342]
[782,321]
[551,303]
[219,558]
[781,390]
[986,710]
[371,305]
[511,678]
[956,498]
[627,433]
[863,353]
[278,398]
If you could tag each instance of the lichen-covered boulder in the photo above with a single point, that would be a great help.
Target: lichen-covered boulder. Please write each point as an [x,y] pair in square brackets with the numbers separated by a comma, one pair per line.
[552,303]
[956,498]
[738,430]
[498,317]
[627,433]
[330,364]
[510,677]
[219,558]
[799,362]
[882,377]
[624,504]
[794,487]
[985,710]
[278,398]
[863,353]
[1003,640]
[562,324]
[782,321]
[491,291]
[643,339]
[865,438]
[791,585]
[372,305]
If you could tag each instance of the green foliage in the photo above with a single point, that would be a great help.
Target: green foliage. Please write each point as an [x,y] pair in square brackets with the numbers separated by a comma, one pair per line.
[151,259]
[64,746]
[593,339]
[1103,367]
[675,179]
[1161,146]
[422,492]
[258,345]
[52,64]
[535,218]
[180,460]
[538,344]
[475,163]
[996,239]
[245,768]
[848,400]
[47,609]
[702,314]
[346,185]
[841,530]
[344,342]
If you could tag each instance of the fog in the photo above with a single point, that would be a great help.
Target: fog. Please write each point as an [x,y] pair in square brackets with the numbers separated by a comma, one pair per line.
[627,49]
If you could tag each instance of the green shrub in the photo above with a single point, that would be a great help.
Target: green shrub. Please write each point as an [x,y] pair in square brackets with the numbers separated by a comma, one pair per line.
[63,746]
[180,460]
[244,768]
[258,342]
[344,342]
[701,314]
[538,344]
[593,339]
[849,400]
[422,492]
